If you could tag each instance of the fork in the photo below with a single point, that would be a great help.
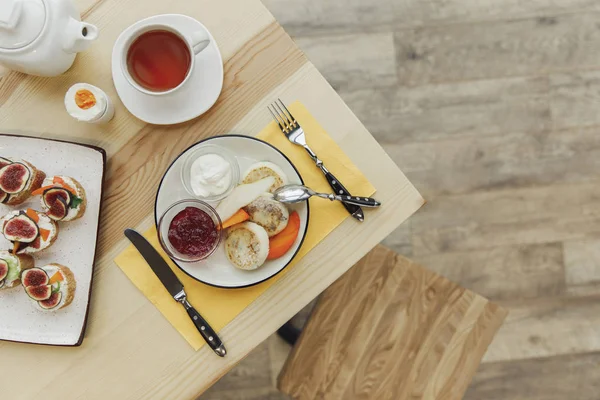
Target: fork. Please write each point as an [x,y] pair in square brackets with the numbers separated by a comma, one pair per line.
[295,134]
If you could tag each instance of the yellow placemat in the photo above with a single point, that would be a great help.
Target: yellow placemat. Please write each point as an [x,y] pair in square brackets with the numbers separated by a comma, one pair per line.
[221,306]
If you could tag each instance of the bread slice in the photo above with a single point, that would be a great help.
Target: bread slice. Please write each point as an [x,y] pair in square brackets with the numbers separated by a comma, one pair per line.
[35,182]
[68,285]
[21,262]
[44,222]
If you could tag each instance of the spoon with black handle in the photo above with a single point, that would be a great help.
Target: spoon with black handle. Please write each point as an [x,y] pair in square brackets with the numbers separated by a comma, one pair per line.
[291,194]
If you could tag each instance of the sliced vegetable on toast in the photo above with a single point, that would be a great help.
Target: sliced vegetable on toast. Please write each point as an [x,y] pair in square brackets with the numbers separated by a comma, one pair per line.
[51,287]
[62,198]
[30,231]
[11,268]
[17,180]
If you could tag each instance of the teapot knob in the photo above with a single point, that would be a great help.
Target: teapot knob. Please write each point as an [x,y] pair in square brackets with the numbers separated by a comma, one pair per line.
[10,14]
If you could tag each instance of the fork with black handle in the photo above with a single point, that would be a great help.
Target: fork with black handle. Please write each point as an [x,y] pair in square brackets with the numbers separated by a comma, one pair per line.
[295,134]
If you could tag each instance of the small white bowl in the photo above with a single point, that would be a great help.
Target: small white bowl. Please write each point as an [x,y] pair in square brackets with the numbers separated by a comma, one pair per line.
[201,151]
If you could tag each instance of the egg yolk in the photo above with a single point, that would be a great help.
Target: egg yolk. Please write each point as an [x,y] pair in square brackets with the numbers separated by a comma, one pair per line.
[85,99]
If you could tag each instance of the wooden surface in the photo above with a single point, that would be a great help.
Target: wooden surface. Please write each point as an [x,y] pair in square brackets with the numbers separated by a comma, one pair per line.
[480,101]
[391,329]
[130,351]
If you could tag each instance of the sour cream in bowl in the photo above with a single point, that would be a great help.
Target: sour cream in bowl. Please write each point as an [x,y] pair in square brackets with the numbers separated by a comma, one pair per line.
[210,173]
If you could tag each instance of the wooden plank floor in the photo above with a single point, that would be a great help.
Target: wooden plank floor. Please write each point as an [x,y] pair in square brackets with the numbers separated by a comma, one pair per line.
[492,110]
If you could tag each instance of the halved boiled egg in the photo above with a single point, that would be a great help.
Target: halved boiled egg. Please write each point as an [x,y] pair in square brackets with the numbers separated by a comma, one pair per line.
[85,102]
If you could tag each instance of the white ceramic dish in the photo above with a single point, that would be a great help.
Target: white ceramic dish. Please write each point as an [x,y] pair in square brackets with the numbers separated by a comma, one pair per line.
[217,270]
[193,99]
[75,247]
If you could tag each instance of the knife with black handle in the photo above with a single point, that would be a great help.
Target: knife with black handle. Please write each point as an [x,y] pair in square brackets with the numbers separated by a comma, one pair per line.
[175,288]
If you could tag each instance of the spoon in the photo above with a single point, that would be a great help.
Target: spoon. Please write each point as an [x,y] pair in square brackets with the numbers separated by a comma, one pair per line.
[297,193]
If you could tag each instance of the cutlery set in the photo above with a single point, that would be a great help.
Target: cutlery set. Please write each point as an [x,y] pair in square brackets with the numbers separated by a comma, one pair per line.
[295,134]
[288,194]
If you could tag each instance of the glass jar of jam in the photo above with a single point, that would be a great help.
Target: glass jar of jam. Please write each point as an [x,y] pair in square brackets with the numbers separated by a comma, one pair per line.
[190,230]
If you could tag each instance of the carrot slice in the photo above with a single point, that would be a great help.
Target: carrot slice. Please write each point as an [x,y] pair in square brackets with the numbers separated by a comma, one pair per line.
[33,215]
[42,190]
[16,247]
[284,240]
[61,182]
[57,277]
[236,218]
[44,233]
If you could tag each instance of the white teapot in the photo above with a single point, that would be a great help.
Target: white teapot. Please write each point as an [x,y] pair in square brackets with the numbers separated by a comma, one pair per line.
[41,37]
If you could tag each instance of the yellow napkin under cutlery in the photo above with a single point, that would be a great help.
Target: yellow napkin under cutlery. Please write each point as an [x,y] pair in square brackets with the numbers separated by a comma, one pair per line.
[220,306]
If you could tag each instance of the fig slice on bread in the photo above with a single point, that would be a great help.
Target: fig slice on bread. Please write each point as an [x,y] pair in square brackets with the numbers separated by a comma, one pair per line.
[39,293]
[29,230]
[21,228]
[51,287]
[57,202]
[34,277]
[3,269]
[12,267]
[14,178]
[62,197]
[4,162]
[3,197]
[52,302]
[3,272]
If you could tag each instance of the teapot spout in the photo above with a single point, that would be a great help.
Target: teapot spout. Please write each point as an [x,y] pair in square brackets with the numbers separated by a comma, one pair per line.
[79,36]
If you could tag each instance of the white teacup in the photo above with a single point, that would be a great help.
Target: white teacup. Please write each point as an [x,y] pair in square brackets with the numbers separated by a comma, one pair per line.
[196,43]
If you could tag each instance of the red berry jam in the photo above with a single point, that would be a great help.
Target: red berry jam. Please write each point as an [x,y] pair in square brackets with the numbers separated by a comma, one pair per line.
[193,232]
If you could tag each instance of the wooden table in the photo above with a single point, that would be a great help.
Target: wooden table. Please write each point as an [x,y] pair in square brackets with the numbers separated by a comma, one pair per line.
[130,350]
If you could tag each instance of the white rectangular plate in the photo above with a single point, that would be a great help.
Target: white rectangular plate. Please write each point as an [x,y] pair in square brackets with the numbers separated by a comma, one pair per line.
[75,246]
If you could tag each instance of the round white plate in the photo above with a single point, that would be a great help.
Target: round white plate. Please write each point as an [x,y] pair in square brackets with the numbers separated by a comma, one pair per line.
[217,270]
[196,97]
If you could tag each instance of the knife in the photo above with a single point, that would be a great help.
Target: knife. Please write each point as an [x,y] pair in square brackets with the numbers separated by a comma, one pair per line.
[175,288]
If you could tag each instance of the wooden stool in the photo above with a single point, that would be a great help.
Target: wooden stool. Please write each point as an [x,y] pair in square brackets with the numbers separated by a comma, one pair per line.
[390,329]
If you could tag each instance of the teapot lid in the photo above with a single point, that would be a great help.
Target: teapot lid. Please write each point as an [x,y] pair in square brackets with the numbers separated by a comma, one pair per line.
[21,22]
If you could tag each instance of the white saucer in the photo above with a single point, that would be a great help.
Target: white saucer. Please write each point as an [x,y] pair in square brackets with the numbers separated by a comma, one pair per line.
[198,95]
[217,270]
